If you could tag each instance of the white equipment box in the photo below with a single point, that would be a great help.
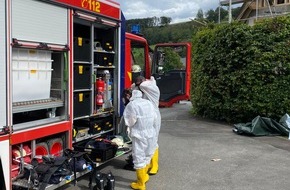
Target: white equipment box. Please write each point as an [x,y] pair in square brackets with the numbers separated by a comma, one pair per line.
[31,74]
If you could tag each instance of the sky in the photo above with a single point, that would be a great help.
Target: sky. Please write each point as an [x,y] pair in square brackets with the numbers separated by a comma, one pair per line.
[178,10]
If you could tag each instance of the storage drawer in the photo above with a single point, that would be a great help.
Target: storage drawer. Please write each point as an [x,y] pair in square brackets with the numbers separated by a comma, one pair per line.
[82,103]
[82,49]
[96,125]
[82,76]
[108,123]
[104,59]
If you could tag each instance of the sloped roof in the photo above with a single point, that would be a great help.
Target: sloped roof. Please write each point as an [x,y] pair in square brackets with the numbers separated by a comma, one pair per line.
[227,2]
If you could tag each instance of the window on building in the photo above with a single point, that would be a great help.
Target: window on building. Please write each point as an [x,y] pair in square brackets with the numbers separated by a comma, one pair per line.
[280,1]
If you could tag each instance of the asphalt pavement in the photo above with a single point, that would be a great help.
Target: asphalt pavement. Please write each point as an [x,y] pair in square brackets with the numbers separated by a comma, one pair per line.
[198,154]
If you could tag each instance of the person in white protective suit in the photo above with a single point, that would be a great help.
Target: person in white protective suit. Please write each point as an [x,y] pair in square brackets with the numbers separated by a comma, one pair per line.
[151,92]
[139,116]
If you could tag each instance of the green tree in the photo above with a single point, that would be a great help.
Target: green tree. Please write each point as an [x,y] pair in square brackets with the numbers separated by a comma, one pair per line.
[211,16]
[164,21]
[223,13]
[199,15]
[171,60]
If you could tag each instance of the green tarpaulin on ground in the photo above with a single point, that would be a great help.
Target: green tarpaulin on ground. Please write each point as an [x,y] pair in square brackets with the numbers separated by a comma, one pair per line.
[263,126]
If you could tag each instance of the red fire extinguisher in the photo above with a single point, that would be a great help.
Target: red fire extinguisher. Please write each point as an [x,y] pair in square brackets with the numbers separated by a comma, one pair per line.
[100,88]
[99,99]
[100,85]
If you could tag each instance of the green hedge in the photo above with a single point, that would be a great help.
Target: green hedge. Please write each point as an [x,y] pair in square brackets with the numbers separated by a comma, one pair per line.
[239,72]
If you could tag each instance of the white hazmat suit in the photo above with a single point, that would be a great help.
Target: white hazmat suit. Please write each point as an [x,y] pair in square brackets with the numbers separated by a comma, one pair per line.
[151,92]
[140,117]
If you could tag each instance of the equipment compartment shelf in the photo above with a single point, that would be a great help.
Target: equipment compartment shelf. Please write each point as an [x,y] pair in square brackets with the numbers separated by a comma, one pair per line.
[103,51]
[99,112]
[90,136]
[36,105]
[83,90]
[104,67]
[83,62]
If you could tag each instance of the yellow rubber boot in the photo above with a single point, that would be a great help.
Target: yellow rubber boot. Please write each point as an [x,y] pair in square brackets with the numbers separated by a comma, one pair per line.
[154,163]
[147,167]
[142,178]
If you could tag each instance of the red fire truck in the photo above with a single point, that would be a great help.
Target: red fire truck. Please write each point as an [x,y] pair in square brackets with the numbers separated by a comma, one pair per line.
[63,66]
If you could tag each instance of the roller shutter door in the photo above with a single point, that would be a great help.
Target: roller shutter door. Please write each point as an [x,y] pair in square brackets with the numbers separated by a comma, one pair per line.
[39,22]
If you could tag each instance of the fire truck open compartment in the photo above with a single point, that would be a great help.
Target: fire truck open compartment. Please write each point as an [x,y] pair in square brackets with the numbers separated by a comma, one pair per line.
[98,63]
[39,63]
[39,87]
[94,73]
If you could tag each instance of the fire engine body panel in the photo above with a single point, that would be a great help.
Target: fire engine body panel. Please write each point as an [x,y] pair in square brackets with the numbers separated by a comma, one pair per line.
[138,42]
[54,56]
[4,100]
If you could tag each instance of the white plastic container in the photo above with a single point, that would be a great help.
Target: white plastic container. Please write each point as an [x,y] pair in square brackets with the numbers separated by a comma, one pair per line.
[31,74]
